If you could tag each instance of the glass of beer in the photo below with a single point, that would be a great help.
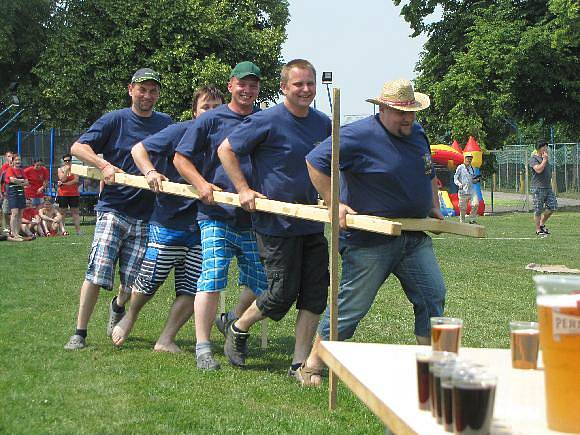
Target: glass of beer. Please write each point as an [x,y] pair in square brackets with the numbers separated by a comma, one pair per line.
[559,317]
[525,342]
[446,333]
[473,398]
[423,358]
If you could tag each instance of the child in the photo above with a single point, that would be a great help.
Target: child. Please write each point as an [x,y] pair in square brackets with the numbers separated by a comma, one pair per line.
[51,219]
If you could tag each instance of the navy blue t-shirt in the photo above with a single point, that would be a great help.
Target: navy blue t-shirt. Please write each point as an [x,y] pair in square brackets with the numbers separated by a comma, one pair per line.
[113,135]
[201,141]
[277,142]
[381,174]
[171,211]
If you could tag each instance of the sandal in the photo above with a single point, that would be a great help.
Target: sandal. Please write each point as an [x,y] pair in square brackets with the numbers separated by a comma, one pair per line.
[304,376]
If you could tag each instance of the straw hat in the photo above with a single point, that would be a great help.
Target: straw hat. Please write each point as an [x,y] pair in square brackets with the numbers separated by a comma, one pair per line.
[399,95]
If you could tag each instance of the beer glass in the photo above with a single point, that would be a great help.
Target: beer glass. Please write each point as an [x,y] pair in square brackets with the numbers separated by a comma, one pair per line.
[437,357]
[525,341]
[558,300]
[473,398]
[446,333]
[423,379]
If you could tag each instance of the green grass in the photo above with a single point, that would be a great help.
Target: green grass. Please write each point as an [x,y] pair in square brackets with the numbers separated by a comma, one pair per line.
[44,389]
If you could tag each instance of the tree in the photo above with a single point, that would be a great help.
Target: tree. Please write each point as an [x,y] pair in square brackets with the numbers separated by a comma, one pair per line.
[488,65]
[98,44]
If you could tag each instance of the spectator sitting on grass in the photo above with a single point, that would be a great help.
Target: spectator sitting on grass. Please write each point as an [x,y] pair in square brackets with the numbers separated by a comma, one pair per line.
[52,220]
[31,222]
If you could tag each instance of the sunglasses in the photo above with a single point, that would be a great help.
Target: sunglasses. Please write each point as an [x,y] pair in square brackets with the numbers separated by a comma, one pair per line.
[67,161]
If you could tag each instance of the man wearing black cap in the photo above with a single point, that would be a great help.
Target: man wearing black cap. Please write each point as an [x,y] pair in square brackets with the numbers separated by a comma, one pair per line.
[226,231]
[122,212]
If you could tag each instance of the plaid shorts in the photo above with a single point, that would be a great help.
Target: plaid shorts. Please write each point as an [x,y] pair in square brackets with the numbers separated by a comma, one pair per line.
[220,242]
[117,238]
[168,249]
[544,197]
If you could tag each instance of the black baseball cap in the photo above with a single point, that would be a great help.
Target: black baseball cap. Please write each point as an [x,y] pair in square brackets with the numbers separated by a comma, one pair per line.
[144,74]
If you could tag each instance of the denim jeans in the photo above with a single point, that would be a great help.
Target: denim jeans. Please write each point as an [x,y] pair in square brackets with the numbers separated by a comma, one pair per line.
[410,258]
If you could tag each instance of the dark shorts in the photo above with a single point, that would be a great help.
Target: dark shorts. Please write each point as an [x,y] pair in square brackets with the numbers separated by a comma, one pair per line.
[544,198]
[16,197]
[65,202]
[297,271]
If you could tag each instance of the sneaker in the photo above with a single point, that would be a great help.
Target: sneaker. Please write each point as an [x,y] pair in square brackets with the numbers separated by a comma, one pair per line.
[206,361]
[292,372]
[236,345]
[541,234]
[544,229]
[114,318]
[75,342]
[473,222]
[220,322]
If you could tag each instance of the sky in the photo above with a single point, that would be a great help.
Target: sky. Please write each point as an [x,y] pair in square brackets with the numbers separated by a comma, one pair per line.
[364,43]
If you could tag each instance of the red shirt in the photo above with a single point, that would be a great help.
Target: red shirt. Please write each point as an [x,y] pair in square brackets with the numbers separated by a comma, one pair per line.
[12,173]
[36,178]
[4,167]
[29,213]
[69,189]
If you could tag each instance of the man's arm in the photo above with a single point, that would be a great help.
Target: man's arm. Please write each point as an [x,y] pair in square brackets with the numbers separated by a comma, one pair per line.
[436,210]
[456,177]
[190,173]
[143,162]
[84,152]
[321,183]
[232,167]
[539,168]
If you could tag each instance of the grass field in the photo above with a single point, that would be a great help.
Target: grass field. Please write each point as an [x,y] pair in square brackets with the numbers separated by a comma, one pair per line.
[44,389]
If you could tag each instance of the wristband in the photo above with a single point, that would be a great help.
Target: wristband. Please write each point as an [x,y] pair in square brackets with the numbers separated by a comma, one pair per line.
[103,168]
[149,171]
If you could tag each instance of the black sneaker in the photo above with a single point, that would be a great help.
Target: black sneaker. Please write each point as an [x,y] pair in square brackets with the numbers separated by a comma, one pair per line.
[236,345]
[541,234]
[544,229]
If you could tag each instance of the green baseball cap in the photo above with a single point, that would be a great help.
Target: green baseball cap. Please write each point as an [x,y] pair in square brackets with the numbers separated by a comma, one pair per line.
[245,69]
[144,74]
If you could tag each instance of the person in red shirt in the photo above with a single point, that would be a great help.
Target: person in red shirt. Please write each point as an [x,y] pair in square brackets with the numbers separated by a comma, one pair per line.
[68,192]
[31,223]
[14,183]
[3,199]
[38,177]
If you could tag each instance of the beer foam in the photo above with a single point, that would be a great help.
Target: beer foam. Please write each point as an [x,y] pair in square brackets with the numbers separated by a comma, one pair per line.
[446,326]
[525,331]
[559,301]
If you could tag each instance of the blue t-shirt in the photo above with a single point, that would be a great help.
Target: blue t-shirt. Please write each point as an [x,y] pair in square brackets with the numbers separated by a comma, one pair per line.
[171,211]
[200,142]
[113,135]
[277,142]
[381,174]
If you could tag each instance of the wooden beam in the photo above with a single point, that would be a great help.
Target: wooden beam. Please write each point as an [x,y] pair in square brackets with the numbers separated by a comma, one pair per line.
[334,234]
[375,224]
[369,223]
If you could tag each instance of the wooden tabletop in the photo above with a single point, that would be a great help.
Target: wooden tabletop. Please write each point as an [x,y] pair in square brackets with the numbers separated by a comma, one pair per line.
[384,377]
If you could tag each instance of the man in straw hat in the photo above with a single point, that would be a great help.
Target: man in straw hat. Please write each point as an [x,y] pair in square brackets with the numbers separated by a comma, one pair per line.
[386,170]
[465,180]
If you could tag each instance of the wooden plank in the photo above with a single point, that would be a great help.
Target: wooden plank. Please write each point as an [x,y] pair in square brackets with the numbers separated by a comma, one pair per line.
[375,224]
[334,234]
[302,211]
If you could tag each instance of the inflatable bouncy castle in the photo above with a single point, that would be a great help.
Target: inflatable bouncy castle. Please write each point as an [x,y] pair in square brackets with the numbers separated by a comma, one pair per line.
[446,159]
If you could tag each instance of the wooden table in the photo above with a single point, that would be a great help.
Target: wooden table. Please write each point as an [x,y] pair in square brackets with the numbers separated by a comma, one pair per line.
[384,377]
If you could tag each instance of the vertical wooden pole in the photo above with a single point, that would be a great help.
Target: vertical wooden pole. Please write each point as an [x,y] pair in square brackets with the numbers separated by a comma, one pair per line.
[333,206]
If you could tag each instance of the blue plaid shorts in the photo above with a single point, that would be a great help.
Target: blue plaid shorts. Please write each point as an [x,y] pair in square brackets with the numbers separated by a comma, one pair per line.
[118,238]
[544,197]
[168,249]
[220,242]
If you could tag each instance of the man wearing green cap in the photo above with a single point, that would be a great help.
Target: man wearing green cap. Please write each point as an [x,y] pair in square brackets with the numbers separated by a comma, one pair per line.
[122,212]
[226,231]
